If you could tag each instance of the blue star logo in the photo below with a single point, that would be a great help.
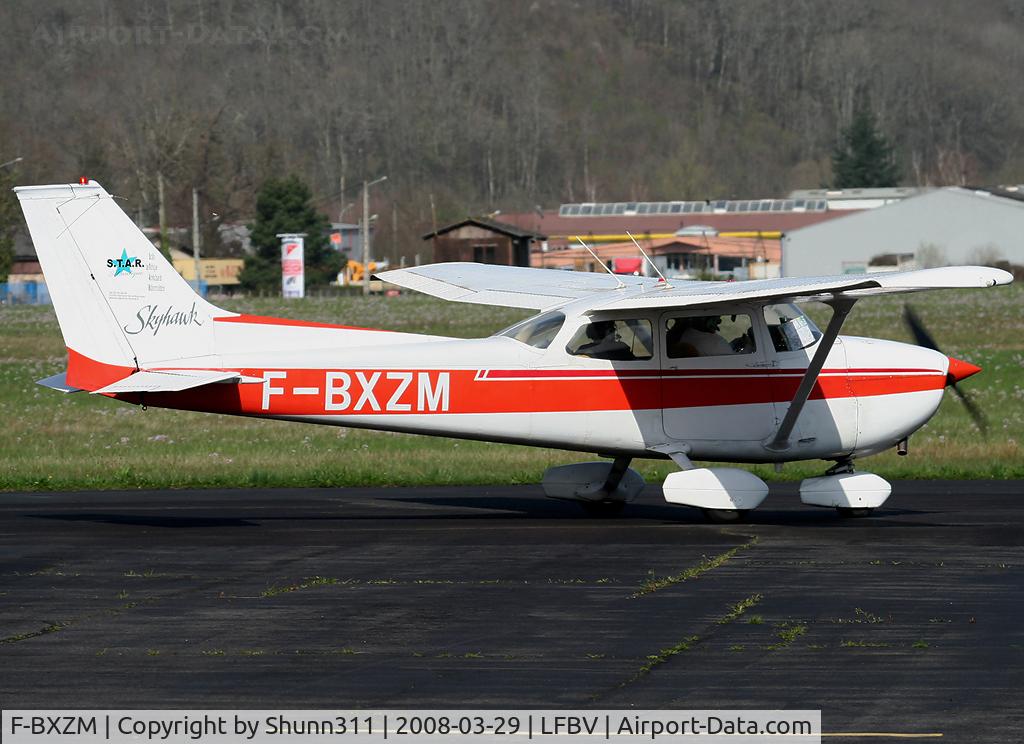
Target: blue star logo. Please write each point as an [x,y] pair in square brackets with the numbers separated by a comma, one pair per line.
[124,264]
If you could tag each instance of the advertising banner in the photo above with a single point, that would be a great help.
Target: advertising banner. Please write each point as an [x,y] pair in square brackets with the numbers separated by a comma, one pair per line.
[293,272]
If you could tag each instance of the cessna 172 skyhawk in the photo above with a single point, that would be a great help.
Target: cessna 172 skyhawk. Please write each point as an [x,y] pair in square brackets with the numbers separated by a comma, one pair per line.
[624,367]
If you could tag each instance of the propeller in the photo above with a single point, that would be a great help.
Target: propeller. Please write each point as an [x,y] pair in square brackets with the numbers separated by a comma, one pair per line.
[958,370]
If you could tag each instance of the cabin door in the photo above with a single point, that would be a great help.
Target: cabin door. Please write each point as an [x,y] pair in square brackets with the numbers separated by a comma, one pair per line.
[716,382]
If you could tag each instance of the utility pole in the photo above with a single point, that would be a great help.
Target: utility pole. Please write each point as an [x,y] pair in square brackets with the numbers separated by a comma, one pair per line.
[433,224]
[195,234]
[341,178]
[394,231]
[163,215]
[366,232]
[366,238]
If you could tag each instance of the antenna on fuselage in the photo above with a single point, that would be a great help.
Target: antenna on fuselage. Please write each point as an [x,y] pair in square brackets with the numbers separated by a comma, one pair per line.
[619,284]
[654,266]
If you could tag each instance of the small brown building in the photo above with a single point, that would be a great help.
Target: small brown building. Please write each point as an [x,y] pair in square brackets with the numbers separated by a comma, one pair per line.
[483,241]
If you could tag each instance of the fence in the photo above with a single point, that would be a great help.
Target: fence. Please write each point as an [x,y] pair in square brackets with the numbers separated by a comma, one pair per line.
[36,293]
[24,293]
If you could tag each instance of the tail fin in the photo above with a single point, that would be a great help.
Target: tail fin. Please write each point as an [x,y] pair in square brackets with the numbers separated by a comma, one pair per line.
[120,304]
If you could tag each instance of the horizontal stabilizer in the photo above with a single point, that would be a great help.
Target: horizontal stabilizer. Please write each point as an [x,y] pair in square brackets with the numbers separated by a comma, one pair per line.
[172,381]
[59,382]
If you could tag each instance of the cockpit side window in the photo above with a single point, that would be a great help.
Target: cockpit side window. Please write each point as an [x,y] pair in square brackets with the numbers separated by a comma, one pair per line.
[615,340]
[538,331]
[789,328]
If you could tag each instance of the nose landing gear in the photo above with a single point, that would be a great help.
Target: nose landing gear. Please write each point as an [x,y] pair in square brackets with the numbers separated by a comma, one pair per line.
[852,494]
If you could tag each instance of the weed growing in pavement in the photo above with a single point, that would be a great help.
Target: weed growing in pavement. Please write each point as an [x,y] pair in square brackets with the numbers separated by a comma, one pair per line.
[787,633]
[653,584]
[273,591]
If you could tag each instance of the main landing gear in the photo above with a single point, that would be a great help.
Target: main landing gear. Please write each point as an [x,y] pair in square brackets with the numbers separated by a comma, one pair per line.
[602,488]
[725,516]
[724,495]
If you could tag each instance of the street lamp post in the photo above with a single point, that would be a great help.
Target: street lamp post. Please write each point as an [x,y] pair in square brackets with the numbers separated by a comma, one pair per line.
[11,162]
[366,231]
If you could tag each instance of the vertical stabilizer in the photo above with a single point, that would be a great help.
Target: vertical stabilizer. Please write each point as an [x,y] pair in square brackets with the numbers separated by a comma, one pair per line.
[120,304]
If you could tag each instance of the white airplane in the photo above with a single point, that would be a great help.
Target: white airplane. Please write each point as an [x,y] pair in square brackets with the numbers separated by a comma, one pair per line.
[625,367]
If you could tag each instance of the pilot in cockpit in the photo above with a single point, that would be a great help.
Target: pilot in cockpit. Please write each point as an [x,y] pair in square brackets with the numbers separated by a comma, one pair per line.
[604,342]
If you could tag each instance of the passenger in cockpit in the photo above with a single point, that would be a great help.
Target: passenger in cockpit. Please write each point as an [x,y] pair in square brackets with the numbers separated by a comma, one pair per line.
[697,337]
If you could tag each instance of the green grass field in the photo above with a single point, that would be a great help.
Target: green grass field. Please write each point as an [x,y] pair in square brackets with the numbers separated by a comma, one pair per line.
[54,441]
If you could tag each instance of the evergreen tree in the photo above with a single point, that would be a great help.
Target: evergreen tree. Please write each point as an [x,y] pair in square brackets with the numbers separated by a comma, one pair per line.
[10,218]
[284,206]
[864,158]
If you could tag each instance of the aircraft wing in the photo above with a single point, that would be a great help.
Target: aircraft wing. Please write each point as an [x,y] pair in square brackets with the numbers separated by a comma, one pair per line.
[806,289]
[541,289]
[171,381]
[508,286]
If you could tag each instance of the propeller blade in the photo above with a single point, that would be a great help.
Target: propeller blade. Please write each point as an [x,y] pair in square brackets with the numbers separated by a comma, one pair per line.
[973,410]
[917,329]
[923,338]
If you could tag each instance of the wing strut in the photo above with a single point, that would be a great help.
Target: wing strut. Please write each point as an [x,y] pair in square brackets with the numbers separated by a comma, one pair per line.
[840,309]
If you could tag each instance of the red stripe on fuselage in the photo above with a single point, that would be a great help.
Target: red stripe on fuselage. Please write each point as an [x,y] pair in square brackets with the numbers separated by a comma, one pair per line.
[307,392]
[267,320]
[710,372]
[865,386]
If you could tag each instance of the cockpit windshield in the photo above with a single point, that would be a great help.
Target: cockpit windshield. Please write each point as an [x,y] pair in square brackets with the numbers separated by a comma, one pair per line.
[789,328]
[538,331]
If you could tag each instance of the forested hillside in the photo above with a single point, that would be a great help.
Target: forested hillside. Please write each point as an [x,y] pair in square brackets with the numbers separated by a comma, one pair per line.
[477,106]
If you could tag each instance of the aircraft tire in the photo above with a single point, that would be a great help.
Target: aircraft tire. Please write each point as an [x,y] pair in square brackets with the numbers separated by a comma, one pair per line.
[725,516]
[603,508]
[854,512]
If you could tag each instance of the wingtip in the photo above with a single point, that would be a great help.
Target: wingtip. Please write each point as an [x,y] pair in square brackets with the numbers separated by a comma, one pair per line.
[1001,277]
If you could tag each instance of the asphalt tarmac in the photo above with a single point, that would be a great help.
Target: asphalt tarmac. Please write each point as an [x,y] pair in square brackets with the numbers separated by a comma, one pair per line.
[909,621]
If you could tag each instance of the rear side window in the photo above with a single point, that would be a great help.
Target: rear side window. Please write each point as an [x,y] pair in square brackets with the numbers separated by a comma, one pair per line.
[615,340]
[538,331]
[709,335]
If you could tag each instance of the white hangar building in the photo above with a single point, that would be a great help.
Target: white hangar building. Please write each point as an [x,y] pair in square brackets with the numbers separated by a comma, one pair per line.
[938,227]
